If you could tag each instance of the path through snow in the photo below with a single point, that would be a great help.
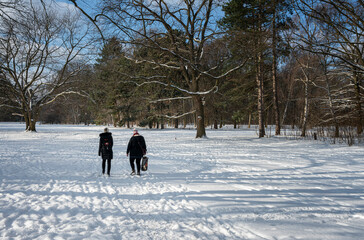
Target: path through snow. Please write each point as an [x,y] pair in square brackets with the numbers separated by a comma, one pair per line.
[231,185]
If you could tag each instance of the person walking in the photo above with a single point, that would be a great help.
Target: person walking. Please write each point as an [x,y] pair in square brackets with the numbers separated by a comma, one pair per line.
[105,150]
[136,149]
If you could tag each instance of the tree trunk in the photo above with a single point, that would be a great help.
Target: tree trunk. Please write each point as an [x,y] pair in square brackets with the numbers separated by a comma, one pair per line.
[293,123]
[250,119]
[359,123]
[115,119]
[32,125]
[274,75]
[259,77]
[185,117]
[30,122]
[305,112]
[215,124]
[287,103]
[260,87]
[200,117]
[328,89]
[27,122]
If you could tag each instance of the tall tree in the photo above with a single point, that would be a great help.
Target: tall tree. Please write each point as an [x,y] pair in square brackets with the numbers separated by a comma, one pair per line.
[187,25]
[274,69]
[39,56]
[262,20]
[252,17]
[281,10]
[343,22]
[112,96]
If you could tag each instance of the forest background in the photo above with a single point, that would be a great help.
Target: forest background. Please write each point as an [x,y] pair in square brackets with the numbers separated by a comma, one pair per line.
[157,63]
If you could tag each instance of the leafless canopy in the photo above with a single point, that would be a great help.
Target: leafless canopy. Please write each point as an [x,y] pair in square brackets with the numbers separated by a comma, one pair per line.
[40,54]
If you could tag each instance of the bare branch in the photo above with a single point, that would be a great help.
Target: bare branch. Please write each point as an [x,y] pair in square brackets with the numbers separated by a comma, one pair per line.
[178,116]
[169,99]
[67,93]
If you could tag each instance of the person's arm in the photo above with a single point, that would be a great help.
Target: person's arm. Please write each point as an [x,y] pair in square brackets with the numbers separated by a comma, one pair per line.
[128,148]
[100,147]
[144,146]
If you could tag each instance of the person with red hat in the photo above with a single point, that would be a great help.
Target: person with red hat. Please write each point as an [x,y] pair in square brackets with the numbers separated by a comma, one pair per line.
[136,150]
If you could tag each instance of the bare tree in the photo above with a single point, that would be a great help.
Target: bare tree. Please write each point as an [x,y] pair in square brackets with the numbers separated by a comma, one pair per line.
[325,83]
[343,21]
[307,64]
[8,8]
[185,26]
[40,54]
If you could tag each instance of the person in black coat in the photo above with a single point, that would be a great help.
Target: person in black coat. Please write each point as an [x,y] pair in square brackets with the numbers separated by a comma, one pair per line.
[105,150]
[136,150]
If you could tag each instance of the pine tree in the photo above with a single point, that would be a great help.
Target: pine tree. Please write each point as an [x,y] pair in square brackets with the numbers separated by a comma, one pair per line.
[259,20]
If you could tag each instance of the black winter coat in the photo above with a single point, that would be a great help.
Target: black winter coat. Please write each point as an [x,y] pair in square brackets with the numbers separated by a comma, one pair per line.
[136,146]
[105,150]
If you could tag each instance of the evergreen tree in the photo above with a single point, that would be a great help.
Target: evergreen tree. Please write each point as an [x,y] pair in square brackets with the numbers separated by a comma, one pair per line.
[259,21]
[112,93]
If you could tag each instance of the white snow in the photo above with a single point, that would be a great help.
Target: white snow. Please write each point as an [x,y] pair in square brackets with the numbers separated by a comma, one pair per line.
[231,185]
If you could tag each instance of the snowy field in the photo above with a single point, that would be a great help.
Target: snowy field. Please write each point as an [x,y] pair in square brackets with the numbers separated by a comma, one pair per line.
[231,185]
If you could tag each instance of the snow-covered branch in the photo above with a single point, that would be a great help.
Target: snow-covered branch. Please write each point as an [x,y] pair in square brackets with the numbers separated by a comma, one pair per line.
[153,62]
[83,94]
[213,89]
[178,116]
[169,99]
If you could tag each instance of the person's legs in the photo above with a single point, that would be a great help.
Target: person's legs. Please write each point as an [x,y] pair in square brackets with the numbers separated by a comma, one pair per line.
[108,166]
[132,164]
[138,164]
[103,165]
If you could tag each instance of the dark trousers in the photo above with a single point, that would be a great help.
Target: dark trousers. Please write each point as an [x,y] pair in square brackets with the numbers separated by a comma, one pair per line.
[137,160]
[108,166]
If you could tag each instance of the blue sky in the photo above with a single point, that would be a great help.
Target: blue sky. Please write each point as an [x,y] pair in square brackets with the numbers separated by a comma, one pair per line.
[81,3]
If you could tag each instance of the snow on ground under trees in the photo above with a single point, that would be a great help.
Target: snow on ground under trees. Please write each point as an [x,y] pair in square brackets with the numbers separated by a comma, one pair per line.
[231,185]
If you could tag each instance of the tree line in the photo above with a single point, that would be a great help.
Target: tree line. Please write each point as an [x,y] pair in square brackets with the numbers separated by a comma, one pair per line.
[205,63]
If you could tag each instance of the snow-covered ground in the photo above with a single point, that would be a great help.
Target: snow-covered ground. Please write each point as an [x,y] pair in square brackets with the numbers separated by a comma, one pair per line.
[231,185]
